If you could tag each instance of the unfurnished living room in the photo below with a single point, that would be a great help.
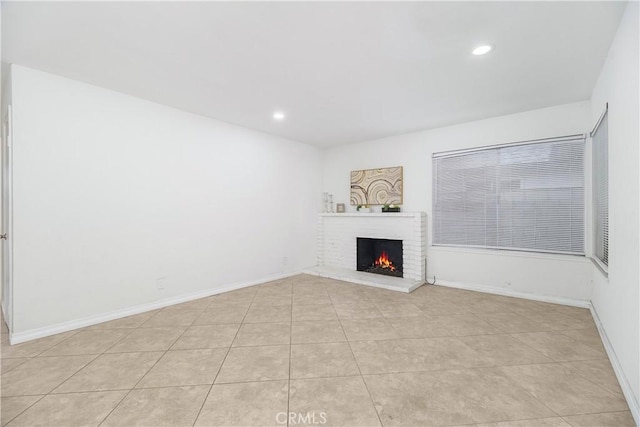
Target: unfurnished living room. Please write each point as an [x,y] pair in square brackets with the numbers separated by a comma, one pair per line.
[320,213]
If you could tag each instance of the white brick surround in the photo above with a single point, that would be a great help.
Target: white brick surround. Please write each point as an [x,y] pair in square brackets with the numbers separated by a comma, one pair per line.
[338,232]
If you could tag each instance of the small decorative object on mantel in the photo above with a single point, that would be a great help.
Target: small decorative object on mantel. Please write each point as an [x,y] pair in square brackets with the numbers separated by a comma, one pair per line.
[363,208]
[390,208]
[376,186]
[327,203]
[340,208]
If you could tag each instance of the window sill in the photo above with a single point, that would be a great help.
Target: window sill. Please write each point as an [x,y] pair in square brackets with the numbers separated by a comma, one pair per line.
[600,266]
[511,253]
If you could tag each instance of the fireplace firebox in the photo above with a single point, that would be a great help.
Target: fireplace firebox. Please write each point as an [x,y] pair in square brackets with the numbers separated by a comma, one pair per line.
[379,256]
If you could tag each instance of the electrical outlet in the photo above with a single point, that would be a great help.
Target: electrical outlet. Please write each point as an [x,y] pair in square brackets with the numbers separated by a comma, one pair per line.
[160,283]
[285,261]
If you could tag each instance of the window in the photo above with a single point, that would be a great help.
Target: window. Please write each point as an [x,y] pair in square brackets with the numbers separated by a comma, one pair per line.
[600,140]
[526,196]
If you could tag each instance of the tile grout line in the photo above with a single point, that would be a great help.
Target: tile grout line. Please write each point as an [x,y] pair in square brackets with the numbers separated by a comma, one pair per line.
[518,385]
[283,379]
[290,358]
[51,391]
[601,357]
[373,403]
[575,371]
[593,413]
[97,356]
[149,370]
[25,409]
[224,359]
[23,362]
[524,390]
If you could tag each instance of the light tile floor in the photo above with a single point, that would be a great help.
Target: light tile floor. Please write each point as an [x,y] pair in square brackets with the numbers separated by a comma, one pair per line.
[326,353]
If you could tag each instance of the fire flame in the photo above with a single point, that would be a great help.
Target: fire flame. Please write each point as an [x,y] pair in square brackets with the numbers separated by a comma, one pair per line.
[384,262]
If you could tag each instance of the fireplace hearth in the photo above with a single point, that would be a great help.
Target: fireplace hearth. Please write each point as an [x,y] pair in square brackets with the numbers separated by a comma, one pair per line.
[379,256]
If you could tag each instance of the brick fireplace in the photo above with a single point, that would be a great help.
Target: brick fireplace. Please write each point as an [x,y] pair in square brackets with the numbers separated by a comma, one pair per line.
[338,239]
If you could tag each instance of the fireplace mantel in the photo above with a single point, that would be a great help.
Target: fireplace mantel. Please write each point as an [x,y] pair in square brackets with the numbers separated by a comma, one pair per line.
[374,214]
[337,233]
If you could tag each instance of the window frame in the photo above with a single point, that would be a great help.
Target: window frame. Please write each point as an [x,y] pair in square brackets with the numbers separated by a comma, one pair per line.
[582,253]
[600,263]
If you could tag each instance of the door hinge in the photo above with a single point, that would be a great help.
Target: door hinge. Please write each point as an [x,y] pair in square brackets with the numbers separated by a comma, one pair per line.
[3,236]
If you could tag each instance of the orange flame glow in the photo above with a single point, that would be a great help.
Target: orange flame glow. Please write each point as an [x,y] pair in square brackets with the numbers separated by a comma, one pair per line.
[384,262]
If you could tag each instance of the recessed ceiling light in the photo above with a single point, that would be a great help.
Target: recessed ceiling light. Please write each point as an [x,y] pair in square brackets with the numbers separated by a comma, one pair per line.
[278,115]
[482,50]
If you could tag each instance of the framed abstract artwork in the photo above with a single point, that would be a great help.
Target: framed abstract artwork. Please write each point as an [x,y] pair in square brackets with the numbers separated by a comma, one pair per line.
[377,186]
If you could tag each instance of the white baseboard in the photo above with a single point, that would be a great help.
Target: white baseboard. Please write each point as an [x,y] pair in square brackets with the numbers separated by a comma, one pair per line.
[46,331]
[516,294]
[634,407]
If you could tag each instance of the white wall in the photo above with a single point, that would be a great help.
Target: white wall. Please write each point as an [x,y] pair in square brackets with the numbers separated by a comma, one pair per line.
[112,192]
[616,299]
[540,274]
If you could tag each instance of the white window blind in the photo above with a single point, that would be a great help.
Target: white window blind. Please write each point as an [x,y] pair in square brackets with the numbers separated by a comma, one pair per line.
[601,189]
[526,196]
